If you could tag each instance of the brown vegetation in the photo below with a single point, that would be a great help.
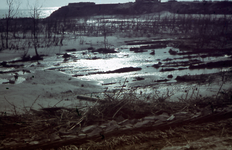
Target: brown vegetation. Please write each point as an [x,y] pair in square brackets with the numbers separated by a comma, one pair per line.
[119,105]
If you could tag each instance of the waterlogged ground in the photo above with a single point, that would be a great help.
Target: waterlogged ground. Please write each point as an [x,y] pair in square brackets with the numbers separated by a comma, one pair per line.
[89,65]
[145,64]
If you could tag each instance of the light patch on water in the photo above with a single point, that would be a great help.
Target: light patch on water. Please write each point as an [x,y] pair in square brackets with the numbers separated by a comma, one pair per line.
[8,78]
[20,80]
[12,80]
[107,78]
[3,80]
[102,64]
[125,58]
[6,69]
[227,56]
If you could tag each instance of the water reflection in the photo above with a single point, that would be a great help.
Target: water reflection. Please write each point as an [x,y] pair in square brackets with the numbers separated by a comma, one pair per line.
[83,65]
[87,69]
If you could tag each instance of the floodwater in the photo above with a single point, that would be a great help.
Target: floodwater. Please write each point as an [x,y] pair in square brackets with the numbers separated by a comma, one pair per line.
[94,66]
[103,67]
[83,65]
[87,65]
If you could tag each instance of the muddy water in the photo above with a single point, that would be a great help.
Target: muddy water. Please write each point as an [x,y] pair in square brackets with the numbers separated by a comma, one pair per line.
[88,65]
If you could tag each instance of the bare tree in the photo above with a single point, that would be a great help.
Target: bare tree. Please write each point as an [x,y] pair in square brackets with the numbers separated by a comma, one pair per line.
[35,14]
[105,31]
[13,6]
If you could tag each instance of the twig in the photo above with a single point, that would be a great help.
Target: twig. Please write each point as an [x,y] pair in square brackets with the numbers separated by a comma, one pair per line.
[186,139]
[118,103]
[25,107]
[222,130]
[58,102]
[34,101]
[82,118]
[119,109]
[121,88]
[77,123]
[184,108]
[186,95]
[61,115]
[219,90]
[107,94]
[9,102]
[99,112]
[40,105]
[12,105]
[168,141]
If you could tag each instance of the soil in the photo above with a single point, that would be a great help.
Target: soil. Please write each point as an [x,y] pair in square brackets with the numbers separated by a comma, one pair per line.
[215,129]
[212,131]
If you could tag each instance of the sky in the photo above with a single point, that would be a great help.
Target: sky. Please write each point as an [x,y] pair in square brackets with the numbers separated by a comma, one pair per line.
[56,3]
[59,3]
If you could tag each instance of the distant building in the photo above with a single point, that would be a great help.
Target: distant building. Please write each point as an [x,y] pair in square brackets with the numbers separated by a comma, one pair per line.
[81,4]
[147,1]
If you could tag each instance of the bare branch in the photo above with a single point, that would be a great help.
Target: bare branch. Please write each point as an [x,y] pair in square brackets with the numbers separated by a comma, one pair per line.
[34,101]
[13,7]
[11,105]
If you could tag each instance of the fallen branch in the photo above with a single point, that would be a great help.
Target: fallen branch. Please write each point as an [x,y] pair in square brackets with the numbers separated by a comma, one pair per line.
[34,101]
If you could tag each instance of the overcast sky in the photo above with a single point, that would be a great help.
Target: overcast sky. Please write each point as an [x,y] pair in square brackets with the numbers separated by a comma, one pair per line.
[59,3]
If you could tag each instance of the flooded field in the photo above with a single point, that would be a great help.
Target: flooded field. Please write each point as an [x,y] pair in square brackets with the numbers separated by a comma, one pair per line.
[141,64]
[81,56]
[94,79]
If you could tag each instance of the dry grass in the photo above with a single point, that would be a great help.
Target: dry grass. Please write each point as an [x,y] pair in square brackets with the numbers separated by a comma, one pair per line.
[179,136]
[126,104]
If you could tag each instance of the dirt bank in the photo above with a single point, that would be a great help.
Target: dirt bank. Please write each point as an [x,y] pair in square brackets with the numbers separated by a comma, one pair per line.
[183,131]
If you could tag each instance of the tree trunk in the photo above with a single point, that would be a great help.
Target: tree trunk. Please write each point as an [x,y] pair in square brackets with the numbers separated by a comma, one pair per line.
[35,37]
[7,31]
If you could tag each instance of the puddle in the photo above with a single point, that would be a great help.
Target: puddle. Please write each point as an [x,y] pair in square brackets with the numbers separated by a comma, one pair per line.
[8,76]
[12,80]
[3,80]
[20,80]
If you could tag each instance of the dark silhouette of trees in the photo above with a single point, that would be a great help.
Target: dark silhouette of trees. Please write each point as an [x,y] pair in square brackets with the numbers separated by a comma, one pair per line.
[13,7]
[35,15]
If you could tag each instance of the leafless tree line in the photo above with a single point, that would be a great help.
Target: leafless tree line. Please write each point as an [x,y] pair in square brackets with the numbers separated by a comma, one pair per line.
[204,28]
[36,32]
[31,32]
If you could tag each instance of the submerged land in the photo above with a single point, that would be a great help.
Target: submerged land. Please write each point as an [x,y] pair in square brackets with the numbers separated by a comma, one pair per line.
[121,76]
